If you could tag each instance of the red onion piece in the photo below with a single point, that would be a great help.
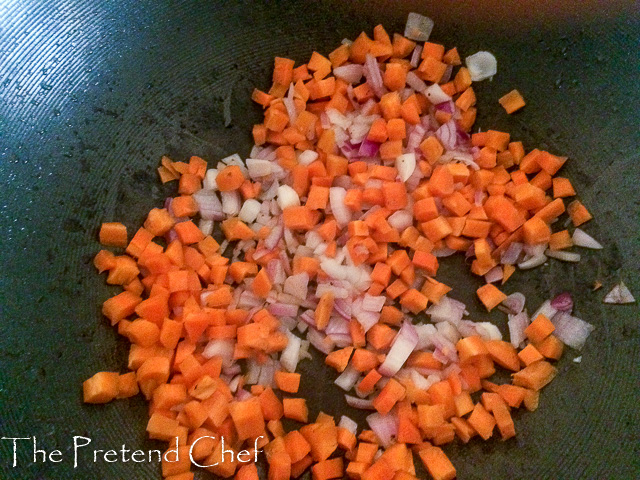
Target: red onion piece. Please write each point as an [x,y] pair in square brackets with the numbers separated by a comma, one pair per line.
[209,205]
[571,330]
[283,310]
[513,304]
[494,275]
[320,341]
[447,135]
[359,403]
[374,77]
[373,303]
[242,394]
[562,302]
[368,148]
[511,254]
[517,324]
[297,285]
[384,426]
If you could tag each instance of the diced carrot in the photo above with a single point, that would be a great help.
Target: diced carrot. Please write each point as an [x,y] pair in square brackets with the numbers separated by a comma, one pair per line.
[539,329]
[113,234]
[578,213]
[529,355]
[535,376]
[490,296]
[437,463]
[101,388]
[512,101]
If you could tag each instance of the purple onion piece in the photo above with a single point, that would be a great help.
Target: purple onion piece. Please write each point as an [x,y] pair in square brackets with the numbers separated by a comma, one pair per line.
[563,302]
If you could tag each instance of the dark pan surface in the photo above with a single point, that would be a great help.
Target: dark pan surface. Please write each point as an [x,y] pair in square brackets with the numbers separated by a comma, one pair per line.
[93,93]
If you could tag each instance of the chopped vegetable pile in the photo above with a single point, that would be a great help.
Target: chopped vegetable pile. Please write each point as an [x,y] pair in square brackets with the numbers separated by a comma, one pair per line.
[364,174]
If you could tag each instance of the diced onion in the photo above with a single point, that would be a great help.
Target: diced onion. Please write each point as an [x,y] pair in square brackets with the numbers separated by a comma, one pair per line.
[481,65]
[287,197]
[436,95]
[418,27]
[582,239]
[563,255]
[620,294]
[406,164]
[249,211]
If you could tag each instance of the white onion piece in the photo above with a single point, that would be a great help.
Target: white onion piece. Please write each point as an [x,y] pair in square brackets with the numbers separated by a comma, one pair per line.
[577,359]
[206,226]
[307,157]
[545,309]
[446,310]
[619,295]
[418,27]
[402,346]
[488,331]
[481,65]
[249,211]
[231,202]
[258,167]
[287,197]
[449,331]
[401,220]
[351,73]
[291,354]
[340,211]
[425,336]
[290,105]
[406,164]
[532,262]
[348,424]
[436,95]
[582,239]
[517,324]
[348,378]
[562,255]
[421,382]
[222,348]
[571,330]
[416,82]
[209,182]
[384,426]
[253,372]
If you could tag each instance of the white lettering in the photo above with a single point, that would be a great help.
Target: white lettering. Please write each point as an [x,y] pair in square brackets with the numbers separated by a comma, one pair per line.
[77,445]
[57,453]
[15,447]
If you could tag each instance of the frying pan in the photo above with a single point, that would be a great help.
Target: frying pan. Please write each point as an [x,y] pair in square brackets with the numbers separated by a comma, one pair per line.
[93,93]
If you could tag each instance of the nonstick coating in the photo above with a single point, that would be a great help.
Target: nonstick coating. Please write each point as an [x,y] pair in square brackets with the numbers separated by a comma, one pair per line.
[93,93]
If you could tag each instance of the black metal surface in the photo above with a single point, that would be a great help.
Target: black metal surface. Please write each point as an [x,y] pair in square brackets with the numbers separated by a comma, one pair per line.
[93,93]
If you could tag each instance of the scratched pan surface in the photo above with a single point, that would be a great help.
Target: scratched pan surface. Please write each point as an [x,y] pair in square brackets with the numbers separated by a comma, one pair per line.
[93,93]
